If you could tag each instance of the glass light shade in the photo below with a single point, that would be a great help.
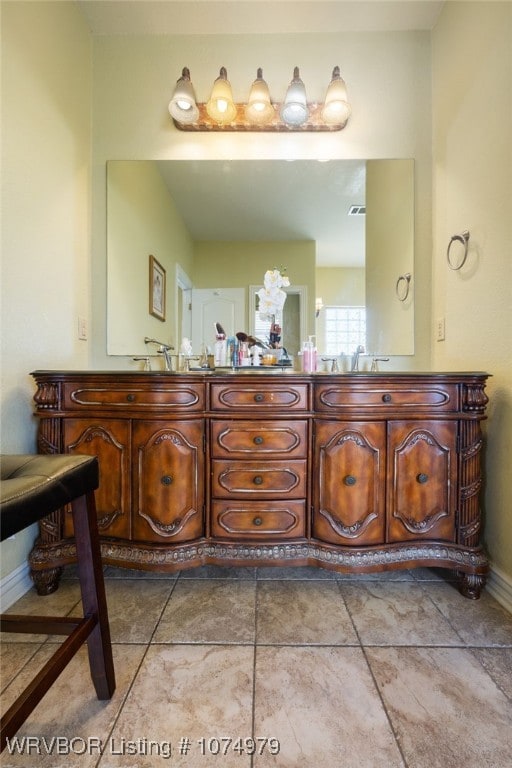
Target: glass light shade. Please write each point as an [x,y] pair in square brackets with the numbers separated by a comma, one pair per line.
[259,108]
[336,109]
[182,106]
[294,110]
[220,106]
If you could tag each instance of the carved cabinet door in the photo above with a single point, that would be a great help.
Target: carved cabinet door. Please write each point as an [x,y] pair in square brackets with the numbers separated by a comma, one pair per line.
[422,492]
[349,482]
[168,480]
[109,440]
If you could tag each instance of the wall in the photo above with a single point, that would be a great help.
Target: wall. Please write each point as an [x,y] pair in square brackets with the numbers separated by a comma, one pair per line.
[389,254]
[472,178]
[143,220]
[337,287]
[46,141]
[134,77]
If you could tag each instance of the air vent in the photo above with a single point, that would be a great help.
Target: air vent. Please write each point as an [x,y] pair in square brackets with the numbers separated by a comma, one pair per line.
[357,210]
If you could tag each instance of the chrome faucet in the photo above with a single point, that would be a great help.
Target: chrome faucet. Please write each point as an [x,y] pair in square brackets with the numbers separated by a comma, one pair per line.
[375,363]
[334,363]
[355,358]
[164,350]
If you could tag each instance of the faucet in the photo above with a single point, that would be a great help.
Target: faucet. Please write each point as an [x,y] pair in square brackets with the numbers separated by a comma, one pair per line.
[334,363]
[164,350]
[375,363]
[147,363]
[355,358]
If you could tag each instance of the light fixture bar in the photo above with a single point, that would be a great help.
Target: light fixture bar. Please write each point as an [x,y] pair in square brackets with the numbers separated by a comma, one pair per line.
[294,114]
[240,122]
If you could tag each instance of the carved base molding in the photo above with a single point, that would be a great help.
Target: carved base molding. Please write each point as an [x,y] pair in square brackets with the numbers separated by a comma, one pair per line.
[471,564]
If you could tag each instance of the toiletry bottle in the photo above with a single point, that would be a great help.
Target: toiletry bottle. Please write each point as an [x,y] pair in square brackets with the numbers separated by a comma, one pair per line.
[309,356]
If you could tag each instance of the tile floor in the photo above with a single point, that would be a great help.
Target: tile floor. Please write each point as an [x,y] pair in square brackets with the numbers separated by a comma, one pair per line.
[302,666]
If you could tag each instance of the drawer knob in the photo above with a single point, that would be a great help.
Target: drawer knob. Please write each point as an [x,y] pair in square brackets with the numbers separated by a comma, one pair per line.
[258,397]
[130,398]
[386,398]
[258,440]
[166,480]
[258,480]
[257,521]
[422,477]
[349,480]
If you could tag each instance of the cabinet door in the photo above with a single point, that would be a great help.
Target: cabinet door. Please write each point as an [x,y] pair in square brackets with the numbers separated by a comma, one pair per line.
[109,440]
[422,466]
[168,480]
[349,482]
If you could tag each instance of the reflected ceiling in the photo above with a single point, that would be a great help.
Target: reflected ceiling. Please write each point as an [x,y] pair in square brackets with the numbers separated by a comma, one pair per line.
[258,200]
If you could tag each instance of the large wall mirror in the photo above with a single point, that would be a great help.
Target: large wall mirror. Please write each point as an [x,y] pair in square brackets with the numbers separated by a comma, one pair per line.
[342,229]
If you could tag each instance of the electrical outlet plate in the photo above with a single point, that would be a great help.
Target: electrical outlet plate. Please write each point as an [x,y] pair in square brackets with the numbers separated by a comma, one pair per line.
[440,329]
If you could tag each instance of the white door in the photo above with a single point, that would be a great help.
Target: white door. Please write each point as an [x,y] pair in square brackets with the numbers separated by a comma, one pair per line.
[216,305]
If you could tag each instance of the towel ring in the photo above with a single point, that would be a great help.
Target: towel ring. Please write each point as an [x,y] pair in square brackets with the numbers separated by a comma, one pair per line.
[403,285]
[464,239]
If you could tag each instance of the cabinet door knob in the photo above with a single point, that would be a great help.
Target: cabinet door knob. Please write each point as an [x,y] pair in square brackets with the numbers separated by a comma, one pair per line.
[258,440]
[166,480]
[386,398]
[422,477]
[258,480]
[258,397]
[130,398]
[349,480]
[257,521]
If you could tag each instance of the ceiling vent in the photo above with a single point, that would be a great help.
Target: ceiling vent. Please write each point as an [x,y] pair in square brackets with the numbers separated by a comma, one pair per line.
[357,210]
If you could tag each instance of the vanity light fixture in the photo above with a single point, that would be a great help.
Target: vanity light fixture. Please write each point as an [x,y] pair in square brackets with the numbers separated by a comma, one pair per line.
[259,108]
[336,109]
[319,305]
[295,113]
[295,110]
[182,106]
[220,106]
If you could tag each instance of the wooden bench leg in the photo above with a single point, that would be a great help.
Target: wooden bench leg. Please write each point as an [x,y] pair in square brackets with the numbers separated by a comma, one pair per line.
[94,601]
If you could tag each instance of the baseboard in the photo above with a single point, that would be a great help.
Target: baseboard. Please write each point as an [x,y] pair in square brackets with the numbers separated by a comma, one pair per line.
[499,585]
[14,586]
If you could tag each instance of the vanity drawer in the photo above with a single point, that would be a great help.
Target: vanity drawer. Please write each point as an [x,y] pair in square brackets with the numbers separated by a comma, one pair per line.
[258,479]
[386,396]
[253,519]
[264,396]
[246,439]
[183,396]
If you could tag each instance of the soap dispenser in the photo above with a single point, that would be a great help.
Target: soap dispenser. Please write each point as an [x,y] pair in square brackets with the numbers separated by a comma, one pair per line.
[309,355]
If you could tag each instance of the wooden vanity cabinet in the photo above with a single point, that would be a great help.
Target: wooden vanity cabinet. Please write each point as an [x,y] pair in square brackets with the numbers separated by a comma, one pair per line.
[355,473]
[350,483]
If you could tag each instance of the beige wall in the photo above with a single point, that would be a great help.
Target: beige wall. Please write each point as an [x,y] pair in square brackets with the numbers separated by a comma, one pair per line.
[143,221]
[46,214]
[134,78]
[54,263]
[472,176]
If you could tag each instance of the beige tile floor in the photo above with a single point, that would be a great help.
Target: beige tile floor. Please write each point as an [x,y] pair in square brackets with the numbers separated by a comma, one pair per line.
[302,666]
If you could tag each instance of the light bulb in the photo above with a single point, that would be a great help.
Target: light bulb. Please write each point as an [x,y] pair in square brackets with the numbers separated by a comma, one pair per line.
[294,110]
[336,109]
[183,107]
[220,106]
[259,108]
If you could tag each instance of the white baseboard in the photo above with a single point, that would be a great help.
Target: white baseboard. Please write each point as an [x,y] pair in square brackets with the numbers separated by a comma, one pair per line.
[499,585]
[14,586]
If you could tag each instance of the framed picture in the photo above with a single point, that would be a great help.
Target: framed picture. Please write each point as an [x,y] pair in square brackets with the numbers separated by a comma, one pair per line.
[156,289]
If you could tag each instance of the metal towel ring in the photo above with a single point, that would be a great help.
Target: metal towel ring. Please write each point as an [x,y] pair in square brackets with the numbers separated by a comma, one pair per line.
[403,285]
[464,239]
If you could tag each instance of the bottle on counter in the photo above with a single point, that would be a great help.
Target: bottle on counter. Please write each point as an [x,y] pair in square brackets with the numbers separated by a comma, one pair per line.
[309,355]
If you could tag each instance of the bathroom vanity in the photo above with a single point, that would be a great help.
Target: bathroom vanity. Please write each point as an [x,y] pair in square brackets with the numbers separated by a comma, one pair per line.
[354,472]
